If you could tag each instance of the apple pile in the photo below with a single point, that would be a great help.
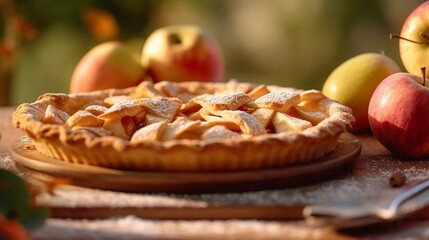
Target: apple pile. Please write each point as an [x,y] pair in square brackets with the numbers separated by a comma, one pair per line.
[398,110]
[174,53]
[392,103]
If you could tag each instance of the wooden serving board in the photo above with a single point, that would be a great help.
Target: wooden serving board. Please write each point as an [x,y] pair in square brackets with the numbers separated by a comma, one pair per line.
[32,163]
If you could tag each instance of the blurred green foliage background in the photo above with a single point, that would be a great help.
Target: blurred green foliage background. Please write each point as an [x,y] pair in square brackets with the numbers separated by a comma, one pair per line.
[286,42]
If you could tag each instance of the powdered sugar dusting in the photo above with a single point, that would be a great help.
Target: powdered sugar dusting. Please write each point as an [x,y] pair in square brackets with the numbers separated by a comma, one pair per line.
[162,107]
[280,101]
[219,132]
[324,192]
[248,123]
[343,189]
[229,101]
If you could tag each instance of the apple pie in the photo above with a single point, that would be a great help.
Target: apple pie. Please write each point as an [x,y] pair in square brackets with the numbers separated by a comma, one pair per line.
[188,126]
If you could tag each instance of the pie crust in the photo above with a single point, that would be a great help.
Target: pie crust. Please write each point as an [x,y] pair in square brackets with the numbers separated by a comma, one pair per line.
[188,126]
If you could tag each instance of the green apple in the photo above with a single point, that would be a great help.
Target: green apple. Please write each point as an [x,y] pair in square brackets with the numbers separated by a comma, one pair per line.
[180,53]
[353,82]
[107,65]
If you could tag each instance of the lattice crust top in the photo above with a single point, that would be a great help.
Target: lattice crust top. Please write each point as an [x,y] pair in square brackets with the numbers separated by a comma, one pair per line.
[166,111]
[232,116]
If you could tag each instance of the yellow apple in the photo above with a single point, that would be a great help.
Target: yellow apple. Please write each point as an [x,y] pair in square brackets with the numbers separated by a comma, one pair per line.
[182,53]
[107,65]
[414,40]
[353,82]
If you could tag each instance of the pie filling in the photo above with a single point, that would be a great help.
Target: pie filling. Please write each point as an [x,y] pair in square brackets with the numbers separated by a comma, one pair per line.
[188,126]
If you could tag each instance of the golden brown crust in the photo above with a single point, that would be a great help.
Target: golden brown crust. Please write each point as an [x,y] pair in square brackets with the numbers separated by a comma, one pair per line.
[240,111]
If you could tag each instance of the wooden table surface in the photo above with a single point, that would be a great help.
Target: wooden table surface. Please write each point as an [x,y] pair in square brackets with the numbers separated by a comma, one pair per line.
[368,176]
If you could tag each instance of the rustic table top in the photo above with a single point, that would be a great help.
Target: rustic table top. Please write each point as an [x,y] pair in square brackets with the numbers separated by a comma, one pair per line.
[366,179]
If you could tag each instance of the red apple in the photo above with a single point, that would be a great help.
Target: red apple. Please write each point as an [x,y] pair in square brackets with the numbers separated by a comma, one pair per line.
[399,115]
[108,65]
[183,53]
[414,39]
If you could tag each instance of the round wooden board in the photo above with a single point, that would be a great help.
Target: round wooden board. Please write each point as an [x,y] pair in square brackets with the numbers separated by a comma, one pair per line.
[39,166]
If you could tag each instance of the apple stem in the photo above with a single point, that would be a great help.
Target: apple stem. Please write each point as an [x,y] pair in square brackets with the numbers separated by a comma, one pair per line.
[423,69]
[422,34]
[175,39]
